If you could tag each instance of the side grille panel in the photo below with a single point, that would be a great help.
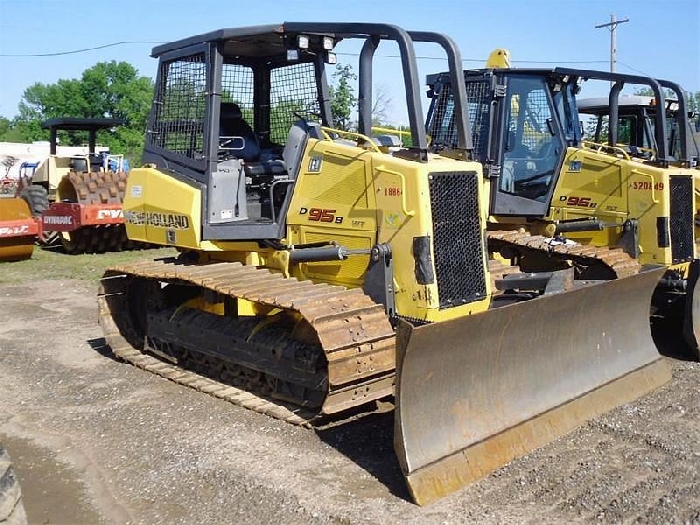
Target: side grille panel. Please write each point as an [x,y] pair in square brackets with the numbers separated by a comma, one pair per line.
[458,239]
[682,218]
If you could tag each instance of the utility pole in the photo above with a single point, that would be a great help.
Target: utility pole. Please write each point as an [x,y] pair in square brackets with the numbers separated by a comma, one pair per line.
[612,26]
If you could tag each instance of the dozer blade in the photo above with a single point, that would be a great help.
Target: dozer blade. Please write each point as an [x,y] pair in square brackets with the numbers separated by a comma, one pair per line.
[477,392]
[691,323]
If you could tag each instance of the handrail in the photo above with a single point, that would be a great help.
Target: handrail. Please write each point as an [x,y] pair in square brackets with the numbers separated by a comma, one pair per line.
[327,130]
[391,130]
[600,147]
[653,182]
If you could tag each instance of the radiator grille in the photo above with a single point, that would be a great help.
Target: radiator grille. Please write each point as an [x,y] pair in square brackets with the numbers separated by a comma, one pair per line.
[458,239]
[682,218]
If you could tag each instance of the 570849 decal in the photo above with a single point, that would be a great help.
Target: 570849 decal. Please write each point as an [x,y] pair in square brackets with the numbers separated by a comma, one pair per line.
[321,215]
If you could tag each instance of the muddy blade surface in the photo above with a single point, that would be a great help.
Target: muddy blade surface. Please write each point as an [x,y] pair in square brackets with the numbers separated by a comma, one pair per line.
[691,323]
[475,393]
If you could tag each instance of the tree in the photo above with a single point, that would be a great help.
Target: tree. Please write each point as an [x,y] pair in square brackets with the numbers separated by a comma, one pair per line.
[342,95]
[694,106]
[381,106]
[591,126]
[107,89]
[4,126]
[344,101]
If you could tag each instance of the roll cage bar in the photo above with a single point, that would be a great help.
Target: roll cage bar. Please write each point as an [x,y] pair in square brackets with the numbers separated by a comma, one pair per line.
[656,85]
[373,33]
[618,80]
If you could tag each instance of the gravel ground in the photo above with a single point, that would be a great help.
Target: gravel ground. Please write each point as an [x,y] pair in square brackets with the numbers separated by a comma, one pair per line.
[98,441]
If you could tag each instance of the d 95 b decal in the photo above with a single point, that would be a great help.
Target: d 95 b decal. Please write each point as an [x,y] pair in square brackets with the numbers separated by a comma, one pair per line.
[321,215]
[582,202]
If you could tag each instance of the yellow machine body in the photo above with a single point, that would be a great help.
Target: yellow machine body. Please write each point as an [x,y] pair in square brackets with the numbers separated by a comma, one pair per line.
[358,197]
[615,189]
[321,270]
[612,188]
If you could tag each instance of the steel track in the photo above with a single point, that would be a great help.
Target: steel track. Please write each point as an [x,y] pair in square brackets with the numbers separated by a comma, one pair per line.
[354,333]
[616,260]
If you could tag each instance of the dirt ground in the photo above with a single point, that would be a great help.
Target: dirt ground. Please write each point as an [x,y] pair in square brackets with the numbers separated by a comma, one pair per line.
[98,441]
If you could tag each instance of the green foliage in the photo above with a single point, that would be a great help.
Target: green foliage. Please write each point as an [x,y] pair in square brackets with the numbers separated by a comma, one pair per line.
[4,126]
[52,264]
[694,101]
[343,98]
[590,129]
[694,106]
[107,89]
[282,116]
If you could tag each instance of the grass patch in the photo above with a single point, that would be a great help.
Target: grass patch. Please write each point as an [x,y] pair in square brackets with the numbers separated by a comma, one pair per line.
[54,265]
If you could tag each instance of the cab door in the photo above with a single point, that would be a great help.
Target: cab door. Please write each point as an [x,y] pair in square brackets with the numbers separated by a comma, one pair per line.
[532,148]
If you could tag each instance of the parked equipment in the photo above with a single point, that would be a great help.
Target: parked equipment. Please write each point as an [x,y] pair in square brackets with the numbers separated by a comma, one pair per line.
[637,122]
[18,229]
[79,198]
[311,258]
[558,201]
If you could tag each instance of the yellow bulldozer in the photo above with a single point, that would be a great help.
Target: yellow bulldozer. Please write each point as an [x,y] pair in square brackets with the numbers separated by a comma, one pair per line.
[321,270]
[636,126]
[560,201]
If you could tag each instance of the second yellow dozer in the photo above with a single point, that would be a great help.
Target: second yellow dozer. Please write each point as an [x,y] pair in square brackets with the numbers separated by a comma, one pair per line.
[321,270]
[558,201]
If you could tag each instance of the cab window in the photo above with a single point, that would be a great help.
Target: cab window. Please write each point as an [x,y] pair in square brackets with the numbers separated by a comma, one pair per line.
[532,145]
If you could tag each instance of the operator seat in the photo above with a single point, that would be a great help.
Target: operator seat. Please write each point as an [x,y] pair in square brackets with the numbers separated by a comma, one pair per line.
[232,124]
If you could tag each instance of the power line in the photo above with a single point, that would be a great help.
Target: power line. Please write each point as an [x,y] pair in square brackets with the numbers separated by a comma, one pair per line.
[483,60]
[75,51]
[634,69]
[560,61]
[126,42]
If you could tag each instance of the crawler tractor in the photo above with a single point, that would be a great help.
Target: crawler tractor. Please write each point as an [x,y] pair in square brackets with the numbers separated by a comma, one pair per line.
[636,126]
[321,270]
[558,201]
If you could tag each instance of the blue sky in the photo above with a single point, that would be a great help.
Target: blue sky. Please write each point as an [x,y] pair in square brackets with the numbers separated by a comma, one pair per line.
[662,38]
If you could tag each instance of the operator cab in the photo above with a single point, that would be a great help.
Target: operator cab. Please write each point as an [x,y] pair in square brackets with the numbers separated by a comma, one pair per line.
[522,122]
[637,125]
[231,113]
[235,109]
